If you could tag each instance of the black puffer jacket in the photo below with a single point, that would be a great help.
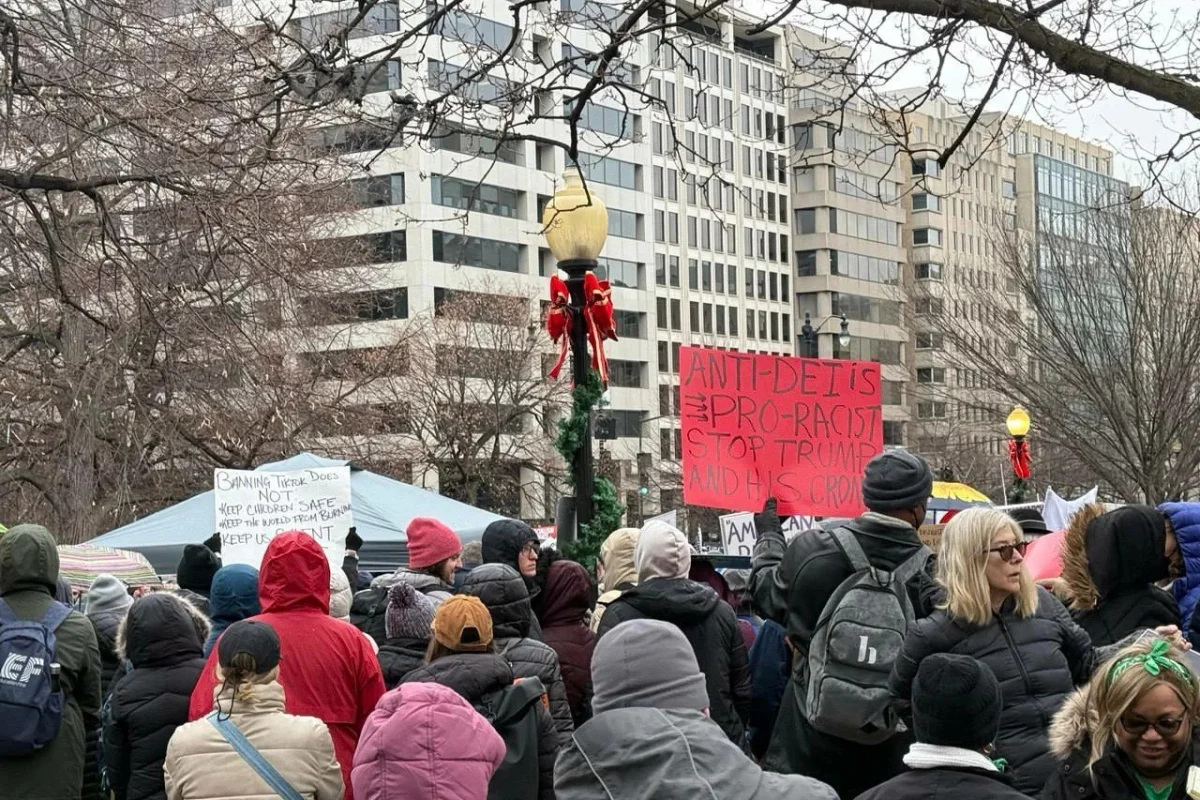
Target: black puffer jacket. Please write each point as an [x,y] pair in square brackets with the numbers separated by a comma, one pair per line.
[476,675]
[1038,660]
[502,543]
[711,627]
[398,657]
[1111,562]
[163,637]
[502,590]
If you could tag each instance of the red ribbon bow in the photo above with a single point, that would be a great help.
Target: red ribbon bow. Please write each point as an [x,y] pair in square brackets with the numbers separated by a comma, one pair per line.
[1018,454]
[597,315]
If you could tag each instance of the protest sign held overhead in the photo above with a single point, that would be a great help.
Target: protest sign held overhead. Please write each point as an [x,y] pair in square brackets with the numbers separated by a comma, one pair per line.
[799,429]
[738,533]
[254,507]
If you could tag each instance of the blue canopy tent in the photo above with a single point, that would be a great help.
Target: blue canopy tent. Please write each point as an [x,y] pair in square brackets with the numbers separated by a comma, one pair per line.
[382,508]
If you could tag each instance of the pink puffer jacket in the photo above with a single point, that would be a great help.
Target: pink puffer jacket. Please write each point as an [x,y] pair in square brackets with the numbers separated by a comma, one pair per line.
[425,742]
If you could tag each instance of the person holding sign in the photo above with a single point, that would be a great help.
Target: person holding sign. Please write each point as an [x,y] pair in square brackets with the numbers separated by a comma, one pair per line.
[793,584]
[328,670]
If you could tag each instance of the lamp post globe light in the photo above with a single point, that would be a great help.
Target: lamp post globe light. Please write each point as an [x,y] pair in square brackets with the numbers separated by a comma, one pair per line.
[575,223]
[1018,452]
[808,334]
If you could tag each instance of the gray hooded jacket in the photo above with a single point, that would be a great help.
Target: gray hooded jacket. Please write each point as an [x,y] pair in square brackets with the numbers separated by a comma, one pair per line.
[653,754]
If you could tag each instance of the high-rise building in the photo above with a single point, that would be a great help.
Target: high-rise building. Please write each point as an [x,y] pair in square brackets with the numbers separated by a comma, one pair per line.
[746,198]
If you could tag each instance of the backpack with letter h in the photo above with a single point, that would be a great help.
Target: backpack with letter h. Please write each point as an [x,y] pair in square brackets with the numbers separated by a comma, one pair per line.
[858,638]
[512,712]
[31,702]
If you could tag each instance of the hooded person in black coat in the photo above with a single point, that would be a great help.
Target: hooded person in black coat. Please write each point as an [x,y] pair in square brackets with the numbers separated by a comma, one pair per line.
[1111,562]
[664,592]
[956,708]
[503,592]
[514,544]
[163,637]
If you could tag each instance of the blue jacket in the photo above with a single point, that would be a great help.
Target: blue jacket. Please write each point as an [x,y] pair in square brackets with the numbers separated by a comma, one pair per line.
[770,666]
[1185,521]
[233,598]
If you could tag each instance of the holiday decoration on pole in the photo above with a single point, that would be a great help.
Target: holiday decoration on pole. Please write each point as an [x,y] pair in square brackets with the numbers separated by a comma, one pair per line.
[598,316]
[1018,452]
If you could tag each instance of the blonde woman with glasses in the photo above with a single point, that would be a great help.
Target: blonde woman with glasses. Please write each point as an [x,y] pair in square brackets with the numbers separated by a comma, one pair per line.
[994,611]
[1131,733]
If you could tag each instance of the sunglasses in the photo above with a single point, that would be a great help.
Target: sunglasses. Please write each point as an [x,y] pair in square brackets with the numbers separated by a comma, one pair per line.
[1166,726]
[1005,551]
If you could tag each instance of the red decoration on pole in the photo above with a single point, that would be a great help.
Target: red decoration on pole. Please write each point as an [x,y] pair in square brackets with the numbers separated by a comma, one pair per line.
[558,322]
[598,315]
[1018,454]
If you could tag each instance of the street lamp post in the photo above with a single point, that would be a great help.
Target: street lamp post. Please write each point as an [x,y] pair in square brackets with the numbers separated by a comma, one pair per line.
[575,223]
[808,334]
[1018,452]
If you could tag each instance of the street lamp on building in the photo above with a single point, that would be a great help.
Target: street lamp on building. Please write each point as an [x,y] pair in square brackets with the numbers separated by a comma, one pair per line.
[808,334]
[1018,452]
[575,223]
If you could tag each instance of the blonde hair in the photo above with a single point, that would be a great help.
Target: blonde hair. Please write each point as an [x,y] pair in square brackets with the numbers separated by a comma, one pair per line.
[962,559]
[1112,693]
[242,677]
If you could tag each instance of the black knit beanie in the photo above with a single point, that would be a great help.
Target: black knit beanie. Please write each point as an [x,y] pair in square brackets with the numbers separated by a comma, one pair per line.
[197,568]
[896,480]
[956,702]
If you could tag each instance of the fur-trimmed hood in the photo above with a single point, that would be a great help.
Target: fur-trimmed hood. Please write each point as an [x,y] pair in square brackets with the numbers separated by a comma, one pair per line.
[1072,727]
[1074,559]
[162,629]
[1105,554]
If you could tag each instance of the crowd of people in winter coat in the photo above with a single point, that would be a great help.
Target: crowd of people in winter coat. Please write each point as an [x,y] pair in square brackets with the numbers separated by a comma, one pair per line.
[849,662]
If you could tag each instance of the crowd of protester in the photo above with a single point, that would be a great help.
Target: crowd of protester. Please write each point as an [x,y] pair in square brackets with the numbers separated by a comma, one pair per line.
[850,661]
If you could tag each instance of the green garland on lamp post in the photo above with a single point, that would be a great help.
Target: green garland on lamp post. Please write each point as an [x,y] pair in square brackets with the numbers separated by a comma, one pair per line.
[606,510]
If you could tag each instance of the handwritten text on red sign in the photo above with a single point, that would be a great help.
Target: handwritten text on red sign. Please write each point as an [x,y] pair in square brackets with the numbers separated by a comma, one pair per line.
[798,429]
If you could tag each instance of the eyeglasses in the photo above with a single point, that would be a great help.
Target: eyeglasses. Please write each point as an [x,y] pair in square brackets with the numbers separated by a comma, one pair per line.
[1005,551]
[531,549]
[1166,726]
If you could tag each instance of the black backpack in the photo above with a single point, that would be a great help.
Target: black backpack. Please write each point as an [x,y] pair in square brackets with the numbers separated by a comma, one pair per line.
[368,612]
[512,711]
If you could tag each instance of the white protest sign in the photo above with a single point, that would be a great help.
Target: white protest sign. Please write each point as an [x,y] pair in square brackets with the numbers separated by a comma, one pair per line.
[738,533]
[669,517]
[793,526]
[254,507]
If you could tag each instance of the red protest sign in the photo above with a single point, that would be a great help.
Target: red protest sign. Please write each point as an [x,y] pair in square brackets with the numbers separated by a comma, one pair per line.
[799,429]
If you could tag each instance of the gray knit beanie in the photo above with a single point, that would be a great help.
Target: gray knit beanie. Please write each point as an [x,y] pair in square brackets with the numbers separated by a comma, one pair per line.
[896,480]
[646,663]
[107,593]
[409,613]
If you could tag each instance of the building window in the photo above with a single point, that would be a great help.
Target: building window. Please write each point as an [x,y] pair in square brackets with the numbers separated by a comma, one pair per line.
[624,224]
[931,410]
[370,306]
[929,271]
[924,201]
[474,196]
[609,171]
[619,272]
[935,375]
[475,251]
[926,166]
[929,340]
[382,248]
[378,190]
[629,324]
[927,236]
[625,373]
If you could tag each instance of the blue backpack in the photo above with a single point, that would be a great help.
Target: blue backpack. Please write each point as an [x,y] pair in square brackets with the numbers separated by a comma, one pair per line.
[31,702]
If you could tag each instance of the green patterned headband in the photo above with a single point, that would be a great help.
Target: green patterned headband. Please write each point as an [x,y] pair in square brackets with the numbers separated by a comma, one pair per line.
[1153,662]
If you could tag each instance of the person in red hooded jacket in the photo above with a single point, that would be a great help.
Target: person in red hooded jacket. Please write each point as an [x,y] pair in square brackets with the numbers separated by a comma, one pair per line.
[561,607]
[327,669]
